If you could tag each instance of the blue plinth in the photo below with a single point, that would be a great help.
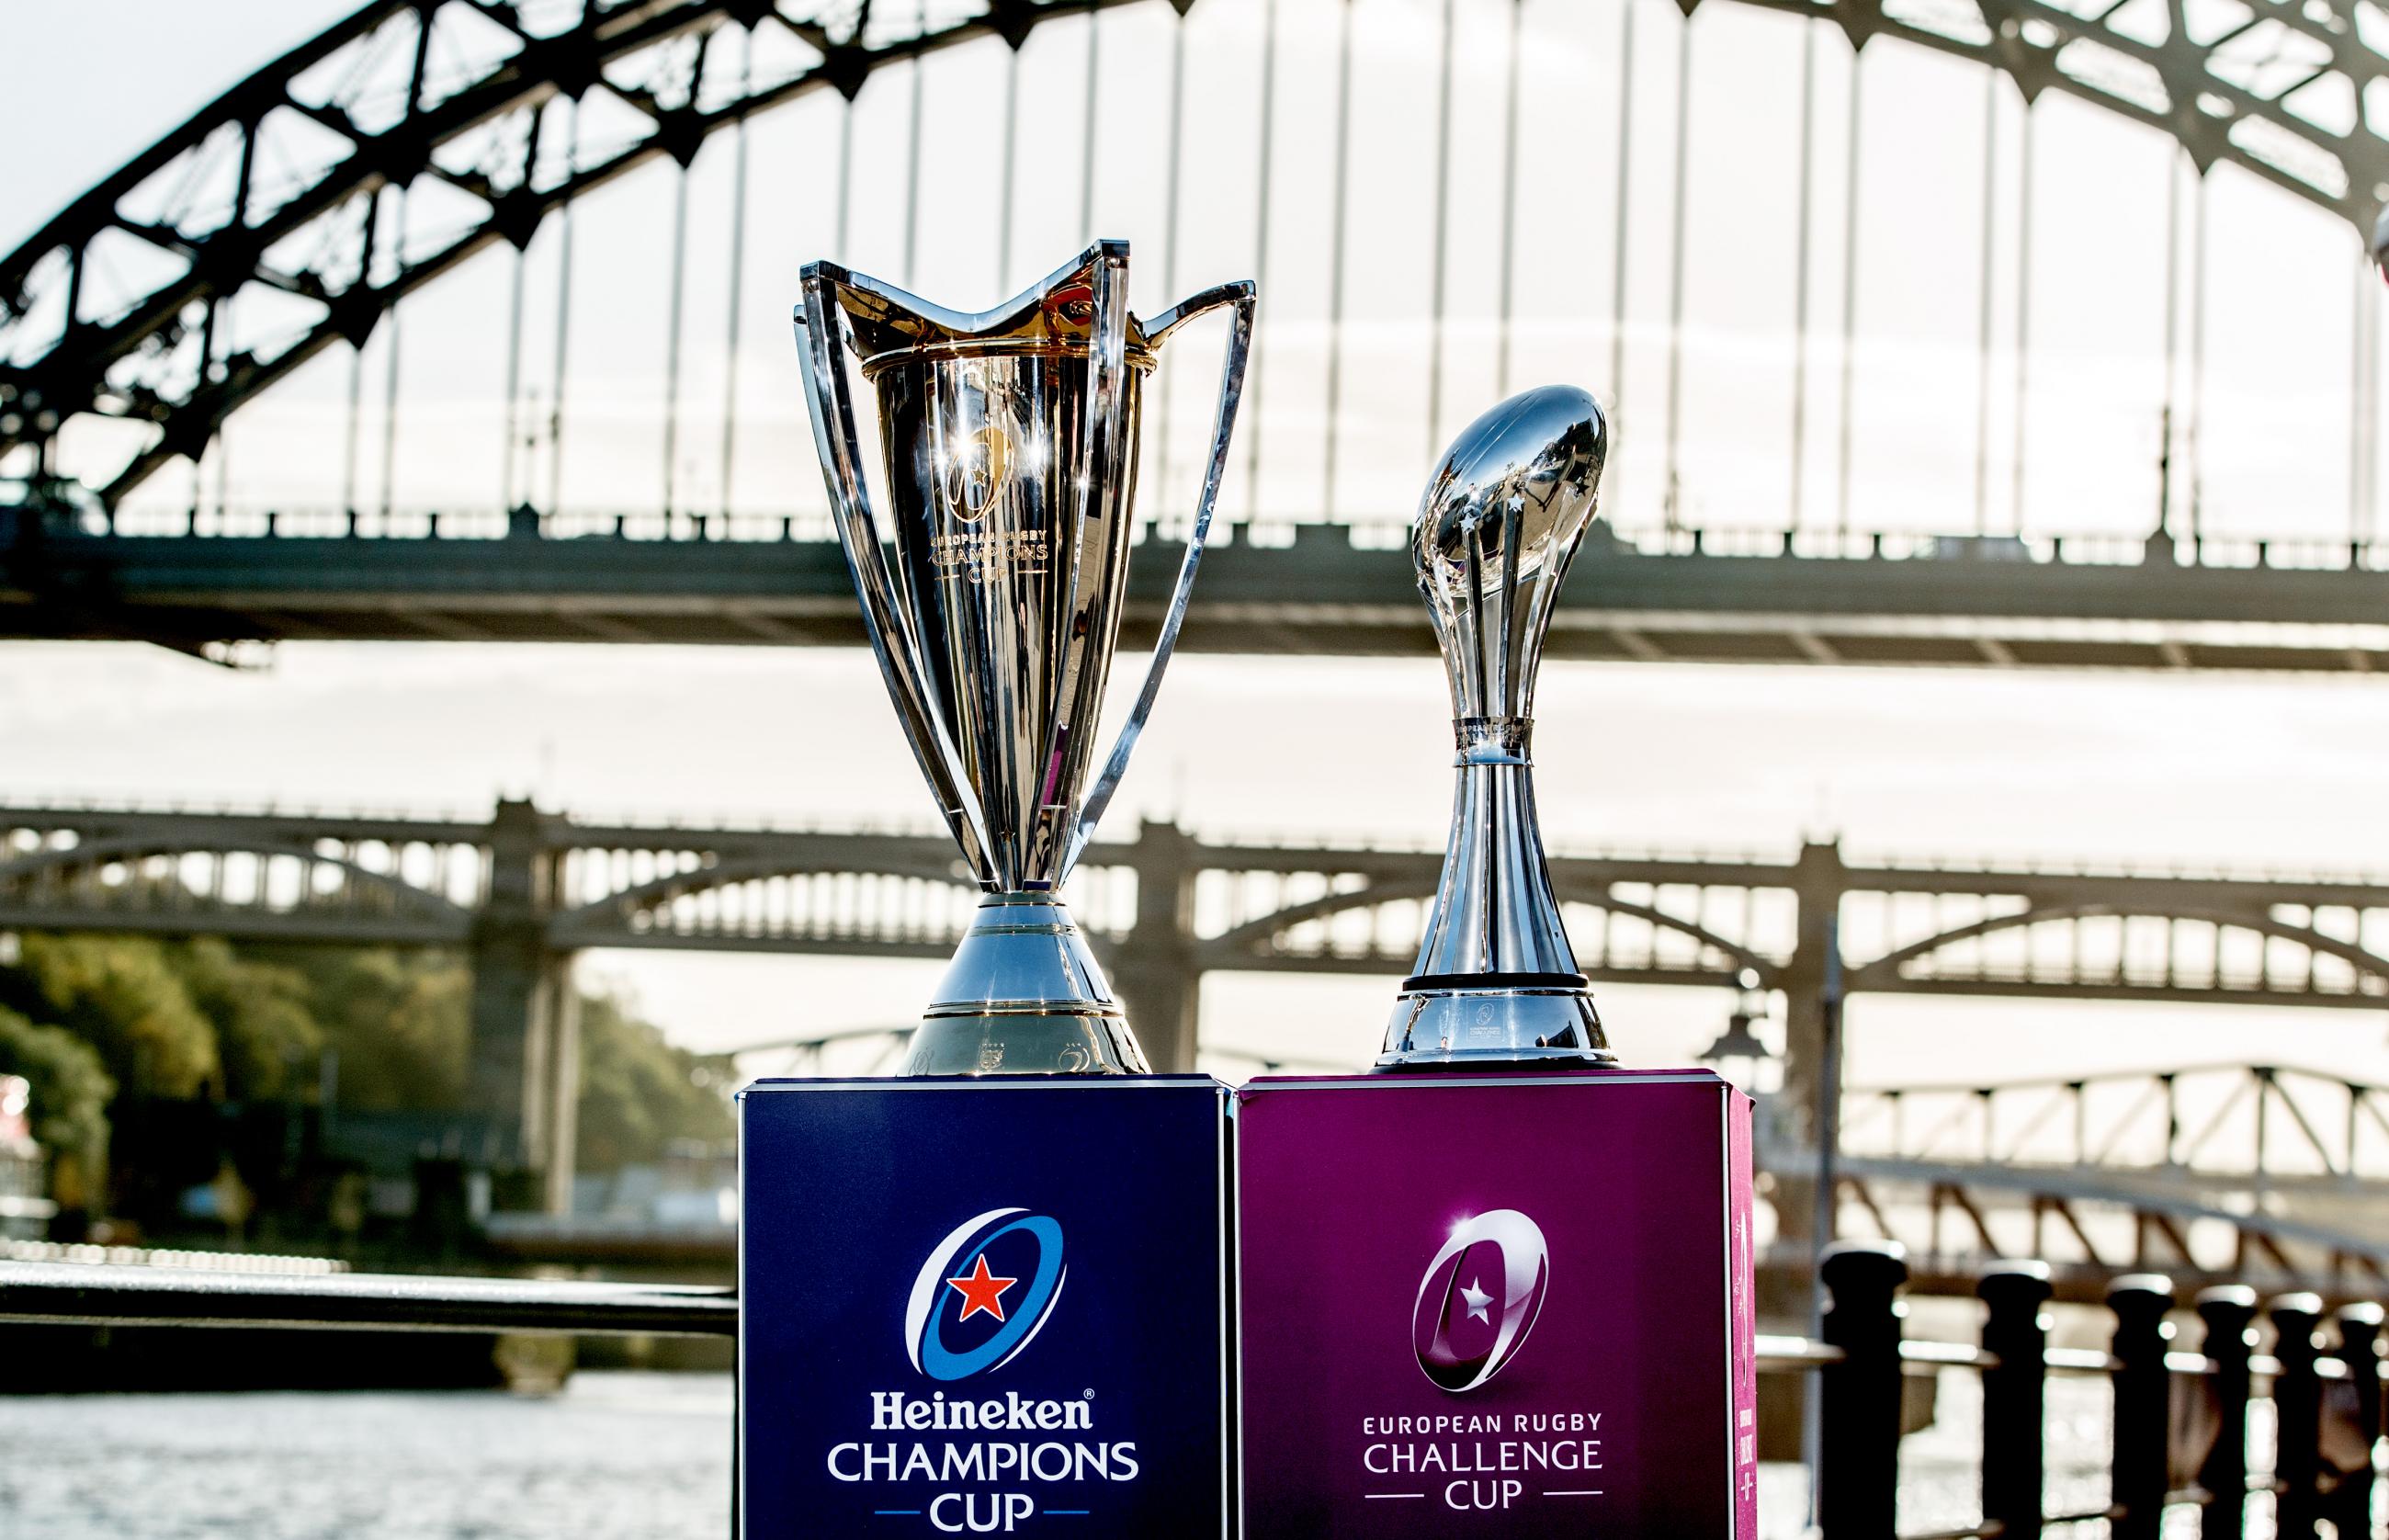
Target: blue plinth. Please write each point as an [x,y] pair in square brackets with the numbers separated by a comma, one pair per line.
[983,1306]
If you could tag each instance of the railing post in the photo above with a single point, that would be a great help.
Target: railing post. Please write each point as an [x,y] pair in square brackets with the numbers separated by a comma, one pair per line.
[2354,1426]
[2228,1312]
[1857,1457]
[2297,1416]
[2015,1330]
[2143,1404]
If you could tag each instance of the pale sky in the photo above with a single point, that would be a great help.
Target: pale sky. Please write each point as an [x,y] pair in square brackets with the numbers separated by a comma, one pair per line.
[2254,770]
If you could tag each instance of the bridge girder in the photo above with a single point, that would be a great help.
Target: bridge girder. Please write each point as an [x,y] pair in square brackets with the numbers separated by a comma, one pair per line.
[381,880]
[2284,94]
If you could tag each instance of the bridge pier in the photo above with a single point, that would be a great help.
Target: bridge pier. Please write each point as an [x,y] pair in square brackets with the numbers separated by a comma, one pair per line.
[526,1020]
[1818,879]
[1155,969]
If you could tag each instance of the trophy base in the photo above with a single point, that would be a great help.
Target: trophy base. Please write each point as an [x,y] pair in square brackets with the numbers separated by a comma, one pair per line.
[1024,997]
[1446,1022]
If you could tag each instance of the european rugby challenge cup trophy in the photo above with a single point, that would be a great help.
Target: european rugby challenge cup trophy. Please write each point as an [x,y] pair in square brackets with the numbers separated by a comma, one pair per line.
[1496,981]
[992,596]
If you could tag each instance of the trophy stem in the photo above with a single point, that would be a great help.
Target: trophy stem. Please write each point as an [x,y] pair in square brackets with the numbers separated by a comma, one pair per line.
[1024,997]
[1496,981]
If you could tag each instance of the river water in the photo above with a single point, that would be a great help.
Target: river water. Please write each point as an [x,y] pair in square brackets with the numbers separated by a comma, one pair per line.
[635,1457]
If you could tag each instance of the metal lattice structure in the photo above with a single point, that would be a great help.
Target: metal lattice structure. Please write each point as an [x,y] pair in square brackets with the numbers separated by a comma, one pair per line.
[2212,1172]
[272,199]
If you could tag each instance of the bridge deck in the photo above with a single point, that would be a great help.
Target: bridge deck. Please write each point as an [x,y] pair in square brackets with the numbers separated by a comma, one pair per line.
[1668,597]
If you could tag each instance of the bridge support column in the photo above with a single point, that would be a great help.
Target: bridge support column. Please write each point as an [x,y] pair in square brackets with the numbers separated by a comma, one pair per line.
[526,1019]
[1811,1044]
[1156,970]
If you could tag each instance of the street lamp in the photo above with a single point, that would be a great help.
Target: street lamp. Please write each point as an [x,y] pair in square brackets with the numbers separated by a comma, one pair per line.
[1740,1055]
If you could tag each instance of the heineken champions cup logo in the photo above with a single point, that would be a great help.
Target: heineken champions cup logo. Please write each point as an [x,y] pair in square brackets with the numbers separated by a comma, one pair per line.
[1479,1299]
[993,1309]
[984,1461]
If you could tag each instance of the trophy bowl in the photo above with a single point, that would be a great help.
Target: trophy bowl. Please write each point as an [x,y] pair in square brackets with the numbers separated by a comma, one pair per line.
[992,593]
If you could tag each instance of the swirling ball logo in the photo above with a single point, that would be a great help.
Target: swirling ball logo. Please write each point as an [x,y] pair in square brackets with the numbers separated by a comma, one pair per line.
[1479,1299]
[984,1293]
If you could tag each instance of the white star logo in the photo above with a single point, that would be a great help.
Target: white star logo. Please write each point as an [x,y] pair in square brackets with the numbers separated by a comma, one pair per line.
[1478,1300]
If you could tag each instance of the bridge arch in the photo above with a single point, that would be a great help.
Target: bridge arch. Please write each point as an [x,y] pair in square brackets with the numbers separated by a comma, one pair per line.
[586,924]
[1259,934]
[2289,128]
[2371,969]
[26,868]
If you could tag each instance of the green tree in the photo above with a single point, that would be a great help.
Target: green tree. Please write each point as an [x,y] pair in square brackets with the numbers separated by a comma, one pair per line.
[123,996]
[399,1021]
[639,1093]
[267,1037]
[71,1089]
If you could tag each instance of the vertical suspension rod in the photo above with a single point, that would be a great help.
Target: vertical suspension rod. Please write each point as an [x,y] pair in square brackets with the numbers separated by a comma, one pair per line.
[357,365]
[390,378]
[1509,202]
[2197,365]
[1617,221]
[2023,313]
[1003,181]
[563,316]
[1254,374]
[845,176]
[737,280]
[1991,79]
[1800,266]
[2172,334]
[1170,226]
[2360,426]
[513,381]
[672,344]
[1087,134]
[1335,246]
[1850,284]
[1442,242]
[912,158]
[1670,489]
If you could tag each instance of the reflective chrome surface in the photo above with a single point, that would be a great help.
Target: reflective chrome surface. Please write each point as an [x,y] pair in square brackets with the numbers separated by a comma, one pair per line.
[1496,980]
[992,598]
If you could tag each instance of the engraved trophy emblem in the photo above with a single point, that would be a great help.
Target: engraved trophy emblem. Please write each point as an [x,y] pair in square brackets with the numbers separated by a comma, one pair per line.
[1496,981]
[992,587]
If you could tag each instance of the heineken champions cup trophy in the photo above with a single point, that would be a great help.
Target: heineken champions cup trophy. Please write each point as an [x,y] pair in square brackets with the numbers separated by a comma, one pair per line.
[992,597]
[1496,981]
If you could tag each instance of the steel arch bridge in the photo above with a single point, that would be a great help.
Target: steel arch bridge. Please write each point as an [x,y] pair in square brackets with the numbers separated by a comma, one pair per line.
[271,228]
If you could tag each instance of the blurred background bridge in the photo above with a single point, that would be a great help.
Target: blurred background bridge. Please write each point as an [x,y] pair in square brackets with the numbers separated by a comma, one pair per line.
[2241,1172]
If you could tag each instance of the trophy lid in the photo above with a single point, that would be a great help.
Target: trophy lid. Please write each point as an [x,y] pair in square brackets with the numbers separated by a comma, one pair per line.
[1515,491]
[1496,526]
[1055,315]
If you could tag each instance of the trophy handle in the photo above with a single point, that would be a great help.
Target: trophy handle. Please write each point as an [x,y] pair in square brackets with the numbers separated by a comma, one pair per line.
[1231,388]
[829,402]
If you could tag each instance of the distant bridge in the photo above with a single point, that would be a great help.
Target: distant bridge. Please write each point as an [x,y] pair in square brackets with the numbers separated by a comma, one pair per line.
[524,891]
[1659,595]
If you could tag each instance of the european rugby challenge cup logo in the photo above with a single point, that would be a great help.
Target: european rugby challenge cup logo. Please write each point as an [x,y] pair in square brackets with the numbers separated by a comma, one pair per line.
[1479,1299]
[984,1293]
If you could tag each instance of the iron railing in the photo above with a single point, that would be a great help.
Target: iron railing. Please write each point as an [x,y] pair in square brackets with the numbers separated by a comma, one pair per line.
[2180,1427]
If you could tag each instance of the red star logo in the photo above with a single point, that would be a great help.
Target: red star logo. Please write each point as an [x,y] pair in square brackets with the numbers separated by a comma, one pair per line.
[981,1290]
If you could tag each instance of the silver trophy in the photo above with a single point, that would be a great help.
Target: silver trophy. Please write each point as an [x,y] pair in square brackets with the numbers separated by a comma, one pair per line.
[992,597]
[1496,981]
